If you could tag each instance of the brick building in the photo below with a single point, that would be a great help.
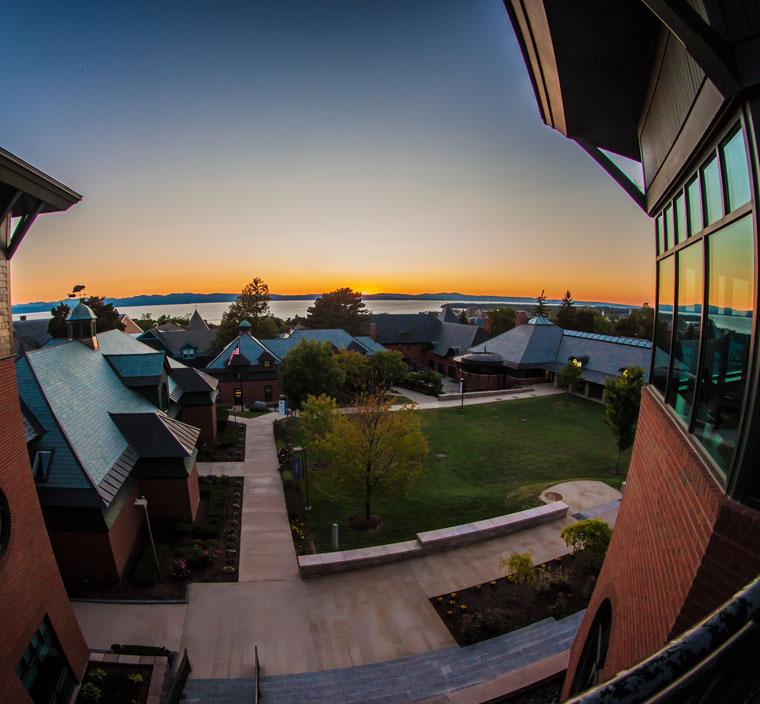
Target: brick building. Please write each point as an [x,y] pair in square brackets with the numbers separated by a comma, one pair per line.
[675,87]
[42,651]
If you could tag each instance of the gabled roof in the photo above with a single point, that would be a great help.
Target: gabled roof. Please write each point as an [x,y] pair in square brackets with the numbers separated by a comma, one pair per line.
[194,380]
[370,344]
[339,339]
[456,338]
[406,328]
[155,435]
[249,347]
[196,322]
[174,338]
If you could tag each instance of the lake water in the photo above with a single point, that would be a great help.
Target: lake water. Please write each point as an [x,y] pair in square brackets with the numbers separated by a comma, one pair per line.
[282,309]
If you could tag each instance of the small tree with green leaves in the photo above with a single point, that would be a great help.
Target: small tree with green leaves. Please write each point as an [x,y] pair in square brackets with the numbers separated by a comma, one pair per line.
[310,368]
[588,539]
[356,367]
[569,375]
[387,368]
[621,408]
[502,319]
[315,422]
[374,450]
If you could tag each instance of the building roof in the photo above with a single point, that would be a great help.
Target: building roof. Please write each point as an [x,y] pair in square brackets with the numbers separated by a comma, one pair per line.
[405,328]
[249,348]
[370,344]
[154,434]
[130,326]
[454,338]
[540,320]
[196,322]
[173,339]
[525,346]
[31,334]
[115,342]
[82,312]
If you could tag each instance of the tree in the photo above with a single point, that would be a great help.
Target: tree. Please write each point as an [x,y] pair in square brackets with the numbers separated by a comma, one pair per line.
[569,375]
[342,308]
[374,450]
[316,421]
[310,368]
[106,316]
[146,320]
[621,407]
[566,313]
[252,305]
[356,368]
[541,309]
[638,323]
[387,368]
[502,319]
[463,317]
[588,539]
[589,320]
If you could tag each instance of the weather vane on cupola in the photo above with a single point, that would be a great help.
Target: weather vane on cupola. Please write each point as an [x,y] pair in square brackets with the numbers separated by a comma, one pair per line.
[78,289]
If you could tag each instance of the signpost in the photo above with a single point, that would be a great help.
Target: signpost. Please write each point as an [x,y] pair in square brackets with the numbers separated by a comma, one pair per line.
[461,390]
[300,467]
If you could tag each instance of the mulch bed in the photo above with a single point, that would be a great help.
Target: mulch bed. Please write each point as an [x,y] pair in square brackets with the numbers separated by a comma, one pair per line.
[210,549]
[500,606]
[297,515]
[115,686]
[229,445]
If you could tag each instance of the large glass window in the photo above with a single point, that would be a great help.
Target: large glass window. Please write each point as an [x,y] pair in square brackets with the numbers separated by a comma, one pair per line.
[44,670]
[687,330]
[737,173]
[695,206]
[680,218]
[713,198]
[670,227]
[723,374]
[664,323]
[660,225]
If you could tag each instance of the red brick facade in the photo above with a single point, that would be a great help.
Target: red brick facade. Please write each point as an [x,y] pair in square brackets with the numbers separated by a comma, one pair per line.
[203,417]
[30,585]
[173,499]
[680,546]
[417,353]
[252,391]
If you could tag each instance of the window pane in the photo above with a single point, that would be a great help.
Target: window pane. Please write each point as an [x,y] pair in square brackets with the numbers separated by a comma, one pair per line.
[711,184]
[664,323]
[695,206]
[680,217]
[727,345]
[670,227]
[660,234]
[688,323]
[737,173]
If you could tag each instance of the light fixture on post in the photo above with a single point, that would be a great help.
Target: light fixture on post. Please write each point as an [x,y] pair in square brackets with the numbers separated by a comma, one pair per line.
[142,503]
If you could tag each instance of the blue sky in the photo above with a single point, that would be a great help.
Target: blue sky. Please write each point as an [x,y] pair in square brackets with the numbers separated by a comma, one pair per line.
[390,145]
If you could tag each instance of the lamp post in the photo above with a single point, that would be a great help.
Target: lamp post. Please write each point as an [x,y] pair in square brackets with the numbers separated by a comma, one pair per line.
[142,502]
[303,460]
[461,391]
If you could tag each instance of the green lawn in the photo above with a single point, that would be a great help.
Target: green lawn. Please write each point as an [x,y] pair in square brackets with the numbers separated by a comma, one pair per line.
[485,460]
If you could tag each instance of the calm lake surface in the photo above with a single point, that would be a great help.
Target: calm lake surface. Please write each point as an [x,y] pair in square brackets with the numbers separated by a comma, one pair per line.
[282,309]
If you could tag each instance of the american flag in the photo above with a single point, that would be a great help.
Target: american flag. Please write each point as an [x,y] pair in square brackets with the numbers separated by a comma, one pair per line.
[234,354]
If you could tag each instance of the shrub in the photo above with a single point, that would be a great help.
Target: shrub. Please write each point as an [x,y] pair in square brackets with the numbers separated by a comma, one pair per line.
[97,675]
[125,649]
[198,556]
[212,528]
[425,381]
[146,572]
[548,580]
[136,678]
[521,568]
[561,606]
[90,692]
[179,569]
[589,539]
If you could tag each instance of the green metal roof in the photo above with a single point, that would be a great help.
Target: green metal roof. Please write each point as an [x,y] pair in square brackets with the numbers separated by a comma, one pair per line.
[82,312]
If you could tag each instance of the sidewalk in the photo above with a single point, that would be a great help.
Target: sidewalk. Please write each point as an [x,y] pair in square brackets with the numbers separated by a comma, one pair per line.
[425,402]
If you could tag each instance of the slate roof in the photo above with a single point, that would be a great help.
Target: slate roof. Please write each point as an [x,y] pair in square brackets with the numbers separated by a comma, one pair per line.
[155,435]
[71,390]
[175,338]
[193,380]
[196,322]
[456,338]
[406,328]
[113,342]
[31,334]
[249,346]
[370,344]
[138,365]
[82,312]
[525,346]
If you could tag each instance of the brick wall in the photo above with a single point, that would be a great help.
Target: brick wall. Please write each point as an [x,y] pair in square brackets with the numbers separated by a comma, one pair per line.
[30,585]
[417,353]
[680,546]
[173,499]
[252,391]
[203,417]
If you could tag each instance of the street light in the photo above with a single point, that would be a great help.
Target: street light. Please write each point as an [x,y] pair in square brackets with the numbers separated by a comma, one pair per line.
[461,390]
[142,502]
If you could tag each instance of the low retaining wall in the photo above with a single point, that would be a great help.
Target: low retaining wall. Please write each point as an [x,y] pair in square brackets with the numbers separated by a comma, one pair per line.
[482,394]
[428,542]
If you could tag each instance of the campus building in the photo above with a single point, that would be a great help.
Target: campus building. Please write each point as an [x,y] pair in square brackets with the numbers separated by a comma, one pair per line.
[535,351]
[676,87]
[42,651]
[246,368]
[193,345]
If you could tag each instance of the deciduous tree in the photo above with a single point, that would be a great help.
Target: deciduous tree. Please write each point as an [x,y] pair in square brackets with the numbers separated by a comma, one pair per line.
[638,323]
[374,450]
[356,368]
[106,316]
[387,368]
[310,368]
[569,375]
[502,319]
[342,308]
[621,407]
[316,421]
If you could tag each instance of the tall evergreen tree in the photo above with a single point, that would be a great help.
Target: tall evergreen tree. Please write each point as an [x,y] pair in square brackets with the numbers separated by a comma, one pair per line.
[252,305]
[342,308]
[541,308]
[566,312]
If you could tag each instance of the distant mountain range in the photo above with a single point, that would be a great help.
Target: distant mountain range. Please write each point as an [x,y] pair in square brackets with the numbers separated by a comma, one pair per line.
[175,298]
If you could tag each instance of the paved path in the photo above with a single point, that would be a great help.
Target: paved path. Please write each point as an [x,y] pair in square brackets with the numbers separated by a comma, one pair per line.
[402,680]
[425,402]
[356,618]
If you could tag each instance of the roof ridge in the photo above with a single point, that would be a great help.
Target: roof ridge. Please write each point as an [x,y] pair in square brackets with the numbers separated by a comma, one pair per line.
[191,429]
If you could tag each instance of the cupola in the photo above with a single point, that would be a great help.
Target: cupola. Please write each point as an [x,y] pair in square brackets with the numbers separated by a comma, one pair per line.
[81,325]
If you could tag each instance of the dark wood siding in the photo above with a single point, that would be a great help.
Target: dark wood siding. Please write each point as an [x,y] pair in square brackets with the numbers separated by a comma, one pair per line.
[676,82]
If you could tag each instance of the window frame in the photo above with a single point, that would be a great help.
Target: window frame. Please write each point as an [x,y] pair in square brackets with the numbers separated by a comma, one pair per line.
[736,478]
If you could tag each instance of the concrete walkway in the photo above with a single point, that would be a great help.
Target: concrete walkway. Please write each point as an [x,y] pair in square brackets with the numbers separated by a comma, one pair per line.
[356,618]
[425,402]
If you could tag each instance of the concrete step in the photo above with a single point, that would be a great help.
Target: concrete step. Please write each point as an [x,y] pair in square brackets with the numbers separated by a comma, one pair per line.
[411,678]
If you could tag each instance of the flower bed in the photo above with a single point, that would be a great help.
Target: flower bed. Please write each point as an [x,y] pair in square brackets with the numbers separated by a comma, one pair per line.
[205,552]
[558,588]
[115,683]
[230,442]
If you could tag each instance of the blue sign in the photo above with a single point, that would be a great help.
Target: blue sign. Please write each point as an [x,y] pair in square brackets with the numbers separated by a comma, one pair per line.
[296,465]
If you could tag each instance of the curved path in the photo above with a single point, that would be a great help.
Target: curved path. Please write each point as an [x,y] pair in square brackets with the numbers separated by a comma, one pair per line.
[356,618]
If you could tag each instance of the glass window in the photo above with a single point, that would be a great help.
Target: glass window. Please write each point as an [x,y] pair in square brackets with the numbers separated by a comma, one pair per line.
[670,227]
[694,198]
[680,218]
[727,345]
[687,330]
[664,322]
[659,228]
[737,173]
[712,194]
[44,670]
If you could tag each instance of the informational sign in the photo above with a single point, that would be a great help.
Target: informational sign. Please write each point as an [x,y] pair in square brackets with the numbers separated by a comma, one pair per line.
[296,465]
[281,407]
[238,395]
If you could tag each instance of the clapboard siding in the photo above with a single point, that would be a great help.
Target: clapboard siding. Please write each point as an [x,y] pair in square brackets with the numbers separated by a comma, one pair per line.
[676,83]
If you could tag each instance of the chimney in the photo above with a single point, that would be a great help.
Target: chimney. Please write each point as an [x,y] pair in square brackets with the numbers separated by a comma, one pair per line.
[373,330]
[22,318]
[521,317]
[487,323]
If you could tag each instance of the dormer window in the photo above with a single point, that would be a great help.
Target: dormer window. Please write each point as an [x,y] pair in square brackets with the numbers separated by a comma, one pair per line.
[188,353]
[267,363]
[41,465]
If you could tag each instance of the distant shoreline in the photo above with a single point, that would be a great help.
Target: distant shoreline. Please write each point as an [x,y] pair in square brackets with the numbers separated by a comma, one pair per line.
[190,298]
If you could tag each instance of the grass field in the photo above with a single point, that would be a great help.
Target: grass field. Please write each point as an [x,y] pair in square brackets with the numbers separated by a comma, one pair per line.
[485,460]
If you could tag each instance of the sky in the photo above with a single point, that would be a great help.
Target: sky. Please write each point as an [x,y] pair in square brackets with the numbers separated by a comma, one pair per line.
[386,145]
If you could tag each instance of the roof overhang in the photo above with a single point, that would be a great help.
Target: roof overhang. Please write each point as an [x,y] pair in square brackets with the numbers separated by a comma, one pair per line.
[589,63]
